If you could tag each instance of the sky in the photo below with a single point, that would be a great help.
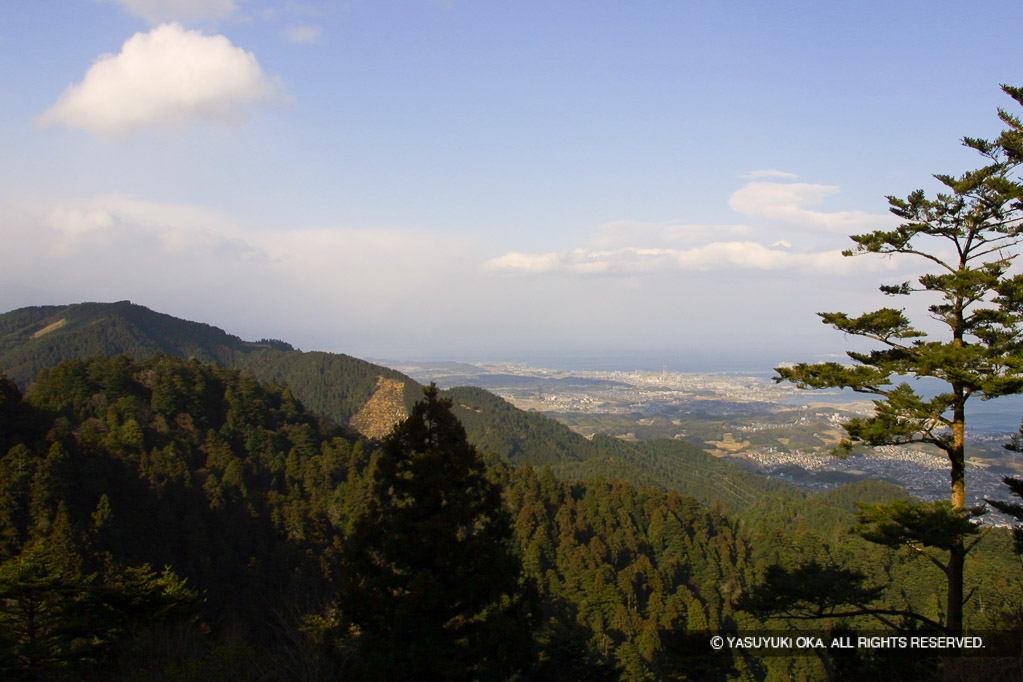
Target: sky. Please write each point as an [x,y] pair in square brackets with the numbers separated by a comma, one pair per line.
[485,179]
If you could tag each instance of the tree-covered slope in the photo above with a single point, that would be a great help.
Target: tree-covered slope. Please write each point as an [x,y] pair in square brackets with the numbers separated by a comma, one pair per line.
[32,339]
[339,387]
[683,467]
[110,467]
[113,470]
[495,425]
[335,385]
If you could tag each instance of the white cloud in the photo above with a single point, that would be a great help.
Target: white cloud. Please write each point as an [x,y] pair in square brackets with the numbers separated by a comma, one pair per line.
[768,173]
[303,34]
[385,292]
[637,248]
[318,256]
[166,78]
[750,256]
[787,203]
[157,11]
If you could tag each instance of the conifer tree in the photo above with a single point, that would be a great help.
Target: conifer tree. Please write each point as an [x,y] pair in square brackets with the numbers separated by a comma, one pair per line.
[968,236]
[431,585]
[12,412]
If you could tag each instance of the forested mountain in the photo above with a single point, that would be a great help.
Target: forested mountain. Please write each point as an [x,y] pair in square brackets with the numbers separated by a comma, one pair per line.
[112,467]
[354,393]
[333,384]
[178,520]
[172,519]
[38,337]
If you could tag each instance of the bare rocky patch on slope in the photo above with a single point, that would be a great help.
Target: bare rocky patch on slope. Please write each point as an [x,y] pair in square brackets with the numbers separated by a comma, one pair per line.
[384,409]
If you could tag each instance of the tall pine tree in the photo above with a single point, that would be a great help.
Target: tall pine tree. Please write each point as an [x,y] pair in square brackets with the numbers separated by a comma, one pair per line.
[969,235]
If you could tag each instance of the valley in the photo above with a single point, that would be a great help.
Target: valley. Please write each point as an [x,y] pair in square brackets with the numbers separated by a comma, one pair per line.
[772,429]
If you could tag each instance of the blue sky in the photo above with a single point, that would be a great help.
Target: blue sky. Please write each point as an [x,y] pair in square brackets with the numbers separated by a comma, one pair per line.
[477,178]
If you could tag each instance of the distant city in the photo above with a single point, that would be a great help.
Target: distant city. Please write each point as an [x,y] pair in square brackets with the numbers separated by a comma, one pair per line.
[775,429]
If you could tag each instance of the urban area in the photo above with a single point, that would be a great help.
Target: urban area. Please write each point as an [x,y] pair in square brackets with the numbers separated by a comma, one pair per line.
[772,428]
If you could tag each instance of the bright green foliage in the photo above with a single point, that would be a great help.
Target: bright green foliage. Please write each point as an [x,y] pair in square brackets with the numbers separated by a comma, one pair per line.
[431,584]
[635,568]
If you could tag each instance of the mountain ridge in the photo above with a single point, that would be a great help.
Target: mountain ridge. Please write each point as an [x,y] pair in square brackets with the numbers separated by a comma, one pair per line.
[341,387]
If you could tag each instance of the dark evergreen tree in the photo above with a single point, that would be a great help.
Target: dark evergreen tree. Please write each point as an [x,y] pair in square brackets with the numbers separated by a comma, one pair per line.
[57,623]
[1013,509]
[12,413]
[432,588]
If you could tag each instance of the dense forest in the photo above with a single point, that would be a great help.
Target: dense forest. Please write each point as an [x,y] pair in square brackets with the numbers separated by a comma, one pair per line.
[170,519]
[177,503]
[339,386]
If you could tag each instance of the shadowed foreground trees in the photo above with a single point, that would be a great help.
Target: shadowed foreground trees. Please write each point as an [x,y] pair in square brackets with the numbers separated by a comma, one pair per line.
[57,623]
[177,521]
[431,588]
[119,465]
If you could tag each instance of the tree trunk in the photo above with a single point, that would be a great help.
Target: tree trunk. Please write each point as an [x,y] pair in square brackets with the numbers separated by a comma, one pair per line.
[957,555]
[956,561]
[957,461]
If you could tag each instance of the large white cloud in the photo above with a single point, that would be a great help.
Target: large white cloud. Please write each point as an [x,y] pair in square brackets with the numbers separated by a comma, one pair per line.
[166,78]
[156,11]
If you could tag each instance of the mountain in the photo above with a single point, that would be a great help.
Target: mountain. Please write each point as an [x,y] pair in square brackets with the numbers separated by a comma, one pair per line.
[246,498]
[335,385]
[252,509]
[42,336]
[368,398]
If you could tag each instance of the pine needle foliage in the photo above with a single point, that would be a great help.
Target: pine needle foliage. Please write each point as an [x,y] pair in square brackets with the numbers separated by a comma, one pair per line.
[968,236]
